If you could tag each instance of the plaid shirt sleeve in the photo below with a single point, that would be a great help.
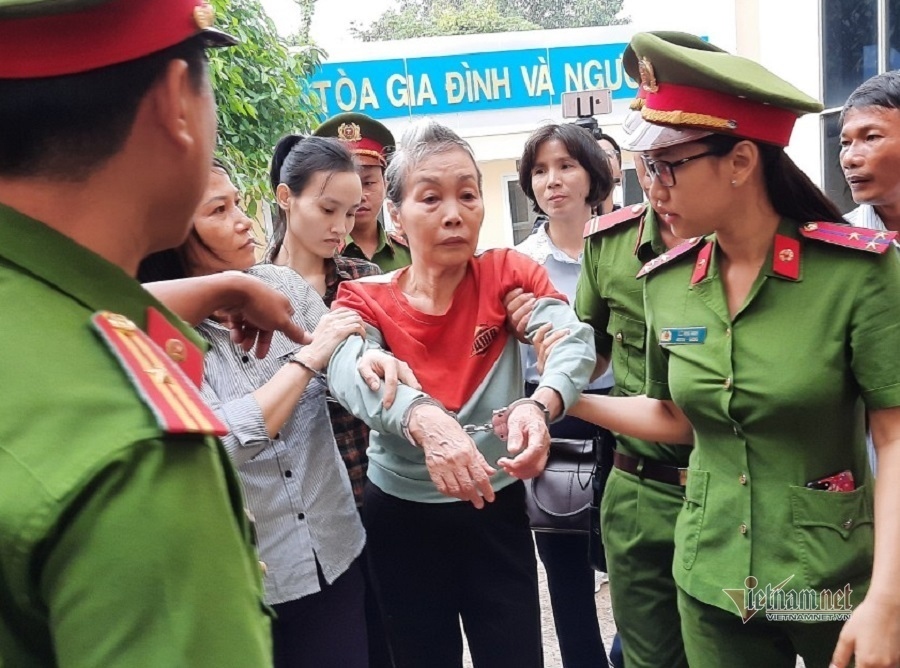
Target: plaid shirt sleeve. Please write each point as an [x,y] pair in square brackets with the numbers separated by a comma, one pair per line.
[350,433]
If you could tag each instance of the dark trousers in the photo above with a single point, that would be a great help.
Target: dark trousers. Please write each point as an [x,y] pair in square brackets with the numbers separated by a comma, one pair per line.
[436,563]
[326,629]
[570,580]
[570,575]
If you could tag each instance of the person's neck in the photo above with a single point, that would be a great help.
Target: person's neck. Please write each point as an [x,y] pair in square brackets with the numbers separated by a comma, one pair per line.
[310,266]
[115,228]
[431,290]
[366,237]
[890,215]
[567,233]
[748,239]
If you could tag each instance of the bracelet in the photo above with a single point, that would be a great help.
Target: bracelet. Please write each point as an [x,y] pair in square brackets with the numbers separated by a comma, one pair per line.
[407,415]
[295,359]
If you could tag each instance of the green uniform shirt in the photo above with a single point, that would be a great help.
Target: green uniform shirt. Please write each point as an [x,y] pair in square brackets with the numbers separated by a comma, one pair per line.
[120,545]
[776,396]
[611,300]
[390,254]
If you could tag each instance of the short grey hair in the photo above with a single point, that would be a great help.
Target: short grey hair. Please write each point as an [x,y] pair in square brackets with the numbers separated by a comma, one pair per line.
[419,142]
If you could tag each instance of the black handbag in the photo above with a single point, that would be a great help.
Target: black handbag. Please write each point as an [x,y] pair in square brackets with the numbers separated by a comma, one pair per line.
[560,499]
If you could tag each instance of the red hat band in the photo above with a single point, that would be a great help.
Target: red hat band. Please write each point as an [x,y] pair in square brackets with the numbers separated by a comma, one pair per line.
[105,34]
[674,104]
[366,146]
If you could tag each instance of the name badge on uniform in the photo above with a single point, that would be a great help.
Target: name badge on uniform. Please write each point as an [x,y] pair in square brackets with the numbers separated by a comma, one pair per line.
[671,336]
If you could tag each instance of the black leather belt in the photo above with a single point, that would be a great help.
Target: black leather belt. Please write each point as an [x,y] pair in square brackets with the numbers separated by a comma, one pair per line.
[650,469]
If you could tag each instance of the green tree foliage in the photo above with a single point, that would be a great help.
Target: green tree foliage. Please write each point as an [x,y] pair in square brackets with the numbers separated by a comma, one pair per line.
[551,14]
[261,92]
[430,18]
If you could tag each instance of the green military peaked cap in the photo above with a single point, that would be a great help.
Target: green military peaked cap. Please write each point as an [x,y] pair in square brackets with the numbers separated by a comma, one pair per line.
[40,38]
[686,86]
[638,131]
[362,135]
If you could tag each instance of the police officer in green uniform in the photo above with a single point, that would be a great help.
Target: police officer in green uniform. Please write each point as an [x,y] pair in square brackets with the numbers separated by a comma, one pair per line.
[123,539]
[370,142]
[644,492]
[770,344]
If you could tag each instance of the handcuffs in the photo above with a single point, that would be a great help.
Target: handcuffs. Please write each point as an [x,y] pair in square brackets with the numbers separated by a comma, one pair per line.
[497,424]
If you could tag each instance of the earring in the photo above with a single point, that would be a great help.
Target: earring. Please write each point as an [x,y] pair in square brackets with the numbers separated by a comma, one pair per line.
[733,183]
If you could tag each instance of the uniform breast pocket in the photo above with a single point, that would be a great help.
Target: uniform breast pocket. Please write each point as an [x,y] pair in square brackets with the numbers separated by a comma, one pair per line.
[629,338]
[689,524]
[834,532]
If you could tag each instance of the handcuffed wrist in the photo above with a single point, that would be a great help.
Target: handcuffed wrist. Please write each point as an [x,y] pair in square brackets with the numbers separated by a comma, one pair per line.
[407,415]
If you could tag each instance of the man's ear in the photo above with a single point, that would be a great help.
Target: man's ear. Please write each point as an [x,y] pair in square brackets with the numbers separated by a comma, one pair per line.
[283,196]
[175,106]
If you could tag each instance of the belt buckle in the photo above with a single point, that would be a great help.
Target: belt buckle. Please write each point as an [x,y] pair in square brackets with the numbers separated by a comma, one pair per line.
[682,477]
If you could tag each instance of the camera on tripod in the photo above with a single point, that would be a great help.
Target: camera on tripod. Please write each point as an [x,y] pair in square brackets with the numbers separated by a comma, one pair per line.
[584,105]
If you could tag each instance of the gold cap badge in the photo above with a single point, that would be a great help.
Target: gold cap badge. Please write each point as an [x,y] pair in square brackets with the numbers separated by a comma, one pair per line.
[648,76]
[204,16]
[349,132]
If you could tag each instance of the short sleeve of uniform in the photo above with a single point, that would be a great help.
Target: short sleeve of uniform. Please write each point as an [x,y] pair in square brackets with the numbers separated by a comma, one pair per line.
[875,333]
[657,385]
[590,306]
[153,568]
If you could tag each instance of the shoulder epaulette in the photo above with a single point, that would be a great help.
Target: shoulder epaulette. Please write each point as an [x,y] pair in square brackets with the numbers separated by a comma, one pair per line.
[398,239]
[610,220]
[668,256]
[166,390]
[848,236]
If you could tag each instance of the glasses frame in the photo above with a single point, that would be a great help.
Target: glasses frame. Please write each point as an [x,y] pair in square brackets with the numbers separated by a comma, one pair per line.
[664,170]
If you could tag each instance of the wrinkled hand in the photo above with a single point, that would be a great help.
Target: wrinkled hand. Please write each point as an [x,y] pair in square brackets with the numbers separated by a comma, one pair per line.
[255,313]
[545,341]
[528,442]
[454,463]
[333,328]
[375,365]
[519,306]
[871,635]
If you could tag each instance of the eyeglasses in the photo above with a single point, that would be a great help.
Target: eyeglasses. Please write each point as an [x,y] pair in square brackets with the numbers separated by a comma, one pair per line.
[665,170]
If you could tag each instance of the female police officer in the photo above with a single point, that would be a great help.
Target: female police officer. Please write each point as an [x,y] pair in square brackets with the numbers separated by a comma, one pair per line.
[769,345]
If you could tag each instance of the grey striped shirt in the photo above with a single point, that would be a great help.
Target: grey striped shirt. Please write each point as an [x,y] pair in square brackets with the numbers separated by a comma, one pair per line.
[295,484]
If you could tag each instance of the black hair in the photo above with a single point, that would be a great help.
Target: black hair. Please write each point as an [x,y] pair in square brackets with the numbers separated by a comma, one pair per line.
[882,90]
[172,263]
[792,194]
[582,146]
[66,127]
[615,145]
[296,160]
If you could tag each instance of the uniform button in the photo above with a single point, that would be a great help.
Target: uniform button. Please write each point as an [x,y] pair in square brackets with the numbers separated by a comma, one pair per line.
[743,528]
[848,524]
[737,432]
[728,332]
[176,350]
[742,479]
[288,474]
[301,516]
[263,568]
[727,383]
[245,358]
[619,337]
